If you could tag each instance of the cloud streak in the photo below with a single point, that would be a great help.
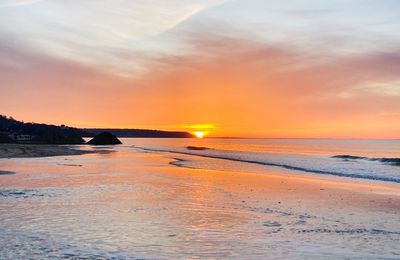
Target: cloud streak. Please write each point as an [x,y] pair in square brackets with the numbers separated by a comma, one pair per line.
[93,32]
[15,3]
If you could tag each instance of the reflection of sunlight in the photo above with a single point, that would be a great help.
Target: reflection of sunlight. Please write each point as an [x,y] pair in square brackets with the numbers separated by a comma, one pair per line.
[205,209]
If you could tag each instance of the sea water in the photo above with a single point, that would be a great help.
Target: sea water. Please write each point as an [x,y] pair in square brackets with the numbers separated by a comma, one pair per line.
[366,159]
[132,203]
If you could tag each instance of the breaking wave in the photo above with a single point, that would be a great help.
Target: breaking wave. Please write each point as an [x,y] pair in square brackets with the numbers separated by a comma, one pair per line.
[381,169]
[390,161]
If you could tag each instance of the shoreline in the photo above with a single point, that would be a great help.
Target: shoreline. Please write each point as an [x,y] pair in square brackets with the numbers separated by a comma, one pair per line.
[193,151]
[9,151]
[181,160]
[15,151]
[164,205]
[282,176]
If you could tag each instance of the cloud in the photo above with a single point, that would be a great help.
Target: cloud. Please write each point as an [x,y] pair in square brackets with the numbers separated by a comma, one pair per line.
[15,3]
[241,84]
[335,27]
[385,89]
[203,71]
[94,32]
[118,36]
[270,89]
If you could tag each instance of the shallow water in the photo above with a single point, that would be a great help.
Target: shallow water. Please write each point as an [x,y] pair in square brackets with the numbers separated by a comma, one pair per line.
[364,159]
[135,204]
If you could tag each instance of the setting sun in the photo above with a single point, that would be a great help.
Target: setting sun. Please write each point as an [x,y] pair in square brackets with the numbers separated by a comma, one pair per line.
[199,134]
[200,130]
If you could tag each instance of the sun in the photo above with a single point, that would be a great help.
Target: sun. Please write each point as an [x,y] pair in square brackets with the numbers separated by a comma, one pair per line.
[200,130]
[199,134]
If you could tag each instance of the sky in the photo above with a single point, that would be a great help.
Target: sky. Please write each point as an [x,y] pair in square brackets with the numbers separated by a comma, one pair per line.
[249,68]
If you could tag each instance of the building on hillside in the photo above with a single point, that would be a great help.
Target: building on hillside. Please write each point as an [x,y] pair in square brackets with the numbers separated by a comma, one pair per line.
[21,138]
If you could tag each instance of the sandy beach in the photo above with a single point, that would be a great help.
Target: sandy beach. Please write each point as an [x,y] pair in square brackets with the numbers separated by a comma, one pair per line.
[34,150]
[134,204]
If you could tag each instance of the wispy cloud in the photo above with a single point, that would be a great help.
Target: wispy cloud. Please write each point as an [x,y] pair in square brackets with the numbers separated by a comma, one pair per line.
[14,3]
[95,32]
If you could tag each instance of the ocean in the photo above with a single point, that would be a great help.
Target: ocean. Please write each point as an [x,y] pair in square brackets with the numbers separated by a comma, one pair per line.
[219,199]
[365,159]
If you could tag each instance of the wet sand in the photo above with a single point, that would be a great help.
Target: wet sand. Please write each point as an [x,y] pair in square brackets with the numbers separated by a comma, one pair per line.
[135,204]
[36,150]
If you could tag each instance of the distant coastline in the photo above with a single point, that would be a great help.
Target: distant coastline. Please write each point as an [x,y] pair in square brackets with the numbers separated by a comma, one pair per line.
[137,133]
[15,131]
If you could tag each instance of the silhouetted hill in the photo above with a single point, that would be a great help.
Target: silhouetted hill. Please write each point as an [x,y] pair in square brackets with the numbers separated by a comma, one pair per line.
[40,133]
[5,139]
[12,130]
[139,133]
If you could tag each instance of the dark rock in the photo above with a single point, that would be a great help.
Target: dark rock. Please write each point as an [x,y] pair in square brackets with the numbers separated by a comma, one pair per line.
[6,172]
[197,148]
[105,138]
[349,157]
[391,161]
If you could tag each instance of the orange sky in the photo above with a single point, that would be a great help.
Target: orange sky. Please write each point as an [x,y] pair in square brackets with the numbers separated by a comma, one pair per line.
[229,77]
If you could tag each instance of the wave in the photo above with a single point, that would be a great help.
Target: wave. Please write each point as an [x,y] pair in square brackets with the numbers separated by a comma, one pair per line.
[311,164]
[390,161]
